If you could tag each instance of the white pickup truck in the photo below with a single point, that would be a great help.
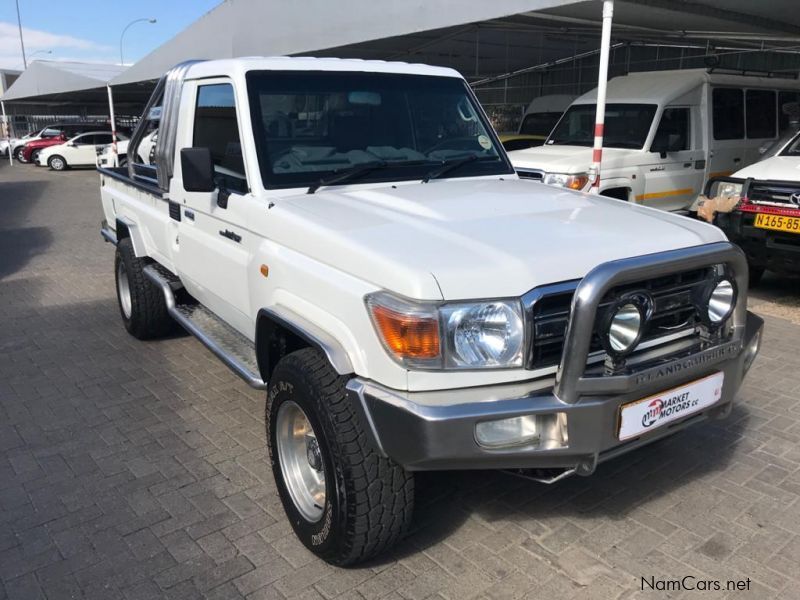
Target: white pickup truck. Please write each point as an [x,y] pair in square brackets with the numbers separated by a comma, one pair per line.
[351,237]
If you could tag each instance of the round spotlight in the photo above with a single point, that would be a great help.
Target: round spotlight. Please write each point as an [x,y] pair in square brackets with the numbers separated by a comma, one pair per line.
[721,301]
[623,328]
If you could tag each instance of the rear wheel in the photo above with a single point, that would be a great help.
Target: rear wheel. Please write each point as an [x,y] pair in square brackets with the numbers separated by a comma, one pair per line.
[141,302]
[57,163]
[35,156]
[345,502]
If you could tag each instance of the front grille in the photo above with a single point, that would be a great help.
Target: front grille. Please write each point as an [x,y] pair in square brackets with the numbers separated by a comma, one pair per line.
[673,311]
[534,174]
[774,194]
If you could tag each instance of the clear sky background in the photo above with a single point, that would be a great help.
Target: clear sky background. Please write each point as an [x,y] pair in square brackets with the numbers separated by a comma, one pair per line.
[89,30]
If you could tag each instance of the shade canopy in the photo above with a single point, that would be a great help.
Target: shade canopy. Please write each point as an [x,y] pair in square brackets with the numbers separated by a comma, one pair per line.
[44,78]
[478,37]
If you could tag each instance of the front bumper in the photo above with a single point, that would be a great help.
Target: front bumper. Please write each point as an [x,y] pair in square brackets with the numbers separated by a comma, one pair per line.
[764,248]
[436,430]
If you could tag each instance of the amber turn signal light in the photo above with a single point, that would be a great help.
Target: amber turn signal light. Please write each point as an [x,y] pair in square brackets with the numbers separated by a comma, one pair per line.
[405,335]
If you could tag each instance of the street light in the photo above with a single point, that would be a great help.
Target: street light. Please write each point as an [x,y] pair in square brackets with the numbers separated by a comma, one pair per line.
[21,43]
[121,61]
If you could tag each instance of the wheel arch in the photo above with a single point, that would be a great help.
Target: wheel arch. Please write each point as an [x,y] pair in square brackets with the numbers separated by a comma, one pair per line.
[125,228]
[280,331]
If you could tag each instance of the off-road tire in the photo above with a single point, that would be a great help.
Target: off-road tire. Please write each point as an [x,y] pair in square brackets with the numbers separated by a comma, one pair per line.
[148,310]
[369,499]
[57,163]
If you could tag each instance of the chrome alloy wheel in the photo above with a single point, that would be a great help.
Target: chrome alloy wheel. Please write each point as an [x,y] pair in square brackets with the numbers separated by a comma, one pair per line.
[57,163]
[300,460]
[124,290]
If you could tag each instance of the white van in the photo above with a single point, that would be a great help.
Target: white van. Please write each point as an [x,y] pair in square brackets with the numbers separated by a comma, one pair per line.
[666,132]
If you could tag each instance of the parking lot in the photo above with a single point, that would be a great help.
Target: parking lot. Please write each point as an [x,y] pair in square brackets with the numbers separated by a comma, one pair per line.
[138,470]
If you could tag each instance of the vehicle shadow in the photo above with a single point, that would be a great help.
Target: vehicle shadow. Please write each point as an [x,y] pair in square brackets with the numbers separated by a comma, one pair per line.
[447,500]
[19,244]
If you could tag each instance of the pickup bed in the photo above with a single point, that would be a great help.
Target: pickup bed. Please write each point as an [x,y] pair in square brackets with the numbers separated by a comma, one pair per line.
[350,237]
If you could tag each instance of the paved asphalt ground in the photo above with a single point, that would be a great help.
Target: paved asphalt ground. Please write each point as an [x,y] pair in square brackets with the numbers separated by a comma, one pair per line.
[133,470]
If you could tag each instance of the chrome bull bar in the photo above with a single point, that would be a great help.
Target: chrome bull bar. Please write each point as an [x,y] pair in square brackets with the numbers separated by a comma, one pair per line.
[571,383]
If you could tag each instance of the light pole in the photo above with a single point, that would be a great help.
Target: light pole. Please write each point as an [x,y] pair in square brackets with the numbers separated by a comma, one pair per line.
[121,60]
[21,43]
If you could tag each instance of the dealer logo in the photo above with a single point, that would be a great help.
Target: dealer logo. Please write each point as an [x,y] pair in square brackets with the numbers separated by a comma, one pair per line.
[653,412]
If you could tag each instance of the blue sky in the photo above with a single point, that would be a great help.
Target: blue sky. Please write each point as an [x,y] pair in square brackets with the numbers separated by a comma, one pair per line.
[89,30]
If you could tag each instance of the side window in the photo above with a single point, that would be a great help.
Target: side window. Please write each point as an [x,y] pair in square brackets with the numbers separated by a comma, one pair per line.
[785,98]
[102,138]
[760,110]
[728,114]
[82,140]
[673,130]
[216,128]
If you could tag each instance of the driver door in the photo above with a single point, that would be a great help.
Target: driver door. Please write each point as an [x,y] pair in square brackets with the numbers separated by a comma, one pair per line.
[214,243]
[673,182]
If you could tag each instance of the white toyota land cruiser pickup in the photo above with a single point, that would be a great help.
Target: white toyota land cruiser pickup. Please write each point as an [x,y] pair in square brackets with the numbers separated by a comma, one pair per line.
[350,236]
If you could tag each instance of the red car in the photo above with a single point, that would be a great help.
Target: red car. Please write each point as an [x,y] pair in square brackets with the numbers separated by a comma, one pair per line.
[32,149]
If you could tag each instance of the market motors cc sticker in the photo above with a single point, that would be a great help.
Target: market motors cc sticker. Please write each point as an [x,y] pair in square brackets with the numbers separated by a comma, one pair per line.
[485,142]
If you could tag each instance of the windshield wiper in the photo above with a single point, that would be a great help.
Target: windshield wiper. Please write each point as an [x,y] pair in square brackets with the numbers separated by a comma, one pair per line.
[450,165]
[353,172]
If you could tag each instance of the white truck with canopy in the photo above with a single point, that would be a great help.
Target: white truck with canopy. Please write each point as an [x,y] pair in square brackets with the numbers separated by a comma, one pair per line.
[666,133]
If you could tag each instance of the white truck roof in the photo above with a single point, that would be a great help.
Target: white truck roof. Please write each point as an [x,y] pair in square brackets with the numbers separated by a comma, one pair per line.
[210,68]
[657,87]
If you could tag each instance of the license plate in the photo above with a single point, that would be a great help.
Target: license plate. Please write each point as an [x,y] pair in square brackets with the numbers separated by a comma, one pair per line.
[778,223]
[642,416]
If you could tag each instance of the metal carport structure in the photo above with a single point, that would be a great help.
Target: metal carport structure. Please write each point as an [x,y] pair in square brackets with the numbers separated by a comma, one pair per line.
[493,43]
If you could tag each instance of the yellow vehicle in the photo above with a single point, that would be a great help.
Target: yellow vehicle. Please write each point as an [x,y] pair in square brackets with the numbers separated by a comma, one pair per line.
[520,141]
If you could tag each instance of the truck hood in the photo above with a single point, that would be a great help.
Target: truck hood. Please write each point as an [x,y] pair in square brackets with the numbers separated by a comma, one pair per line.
[565,159]
[782,168]
[458,239]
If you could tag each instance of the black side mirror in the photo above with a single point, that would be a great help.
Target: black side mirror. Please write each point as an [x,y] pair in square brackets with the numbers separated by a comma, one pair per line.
[198,170]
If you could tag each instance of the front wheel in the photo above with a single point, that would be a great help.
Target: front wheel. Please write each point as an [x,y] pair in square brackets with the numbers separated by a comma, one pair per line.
[20,155]
[57,163]
[345,502]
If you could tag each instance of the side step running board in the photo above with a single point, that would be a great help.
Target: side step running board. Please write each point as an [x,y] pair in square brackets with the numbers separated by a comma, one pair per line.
[230,346]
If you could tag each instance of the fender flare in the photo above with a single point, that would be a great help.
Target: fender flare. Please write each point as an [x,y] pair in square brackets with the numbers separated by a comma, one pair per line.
[127,228]
[280,316]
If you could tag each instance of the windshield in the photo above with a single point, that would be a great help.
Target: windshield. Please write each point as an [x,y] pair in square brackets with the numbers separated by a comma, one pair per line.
[539,123]
[626,125]
[309,125]
[792,149]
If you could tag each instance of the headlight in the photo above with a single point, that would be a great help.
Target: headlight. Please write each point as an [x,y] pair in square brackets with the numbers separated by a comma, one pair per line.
[623,327]
[479,335]
[461,335]
[565,180]
[720,301]
[726,189]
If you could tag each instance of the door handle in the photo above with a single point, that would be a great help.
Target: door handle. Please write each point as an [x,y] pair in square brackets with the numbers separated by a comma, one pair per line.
[231,235]
[687,165]
[736,160]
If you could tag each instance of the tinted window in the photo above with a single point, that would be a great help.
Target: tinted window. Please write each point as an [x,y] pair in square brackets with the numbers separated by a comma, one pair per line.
[673,130]
[626,125]
[83,139]
[539,123]
[785,98]
[728,114]
[216,128]
[309,124]
[760,111]
[102,138]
